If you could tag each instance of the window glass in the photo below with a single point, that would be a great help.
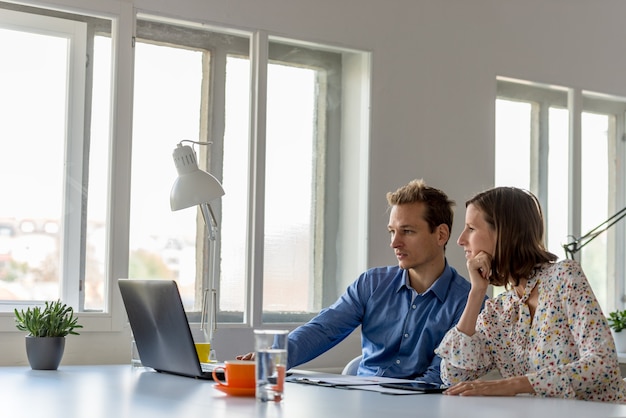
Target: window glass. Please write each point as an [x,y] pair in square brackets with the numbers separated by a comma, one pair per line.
[99,160]
[558,176]
[192,83]
[595,199]
[513,143]
[236,178]
[49,249]
[166,110]
[31,84]
[512,139]
[191,87]
[289,191]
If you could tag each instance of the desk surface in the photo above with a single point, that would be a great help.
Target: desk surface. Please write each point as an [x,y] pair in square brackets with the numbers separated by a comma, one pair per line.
[120,391]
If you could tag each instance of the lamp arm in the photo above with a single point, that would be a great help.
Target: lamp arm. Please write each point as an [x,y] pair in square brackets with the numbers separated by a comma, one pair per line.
[577,244]
[204,311]
[209,220]
[209,295]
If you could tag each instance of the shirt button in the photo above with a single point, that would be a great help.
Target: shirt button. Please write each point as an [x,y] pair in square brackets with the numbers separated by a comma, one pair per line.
[406,335]
[414,307]
[397,361]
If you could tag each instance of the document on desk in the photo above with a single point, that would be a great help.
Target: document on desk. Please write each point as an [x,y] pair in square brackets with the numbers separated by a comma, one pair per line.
[383,390]
[343,380]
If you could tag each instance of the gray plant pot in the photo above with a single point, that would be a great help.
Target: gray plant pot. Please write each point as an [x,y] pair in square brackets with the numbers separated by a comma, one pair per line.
[44,353]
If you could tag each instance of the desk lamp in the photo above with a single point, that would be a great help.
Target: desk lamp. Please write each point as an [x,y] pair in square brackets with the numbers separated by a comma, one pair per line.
[572,247]
[196,187]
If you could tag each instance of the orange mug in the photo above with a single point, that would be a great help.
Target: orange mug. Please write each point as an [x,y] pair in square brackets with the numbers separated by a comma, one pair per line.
[238,373]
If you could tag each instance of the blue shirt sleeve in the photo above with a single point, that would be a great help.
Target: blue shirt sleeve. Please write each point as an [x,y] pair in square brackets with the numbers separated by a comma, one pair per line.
[432,374]
[331,326]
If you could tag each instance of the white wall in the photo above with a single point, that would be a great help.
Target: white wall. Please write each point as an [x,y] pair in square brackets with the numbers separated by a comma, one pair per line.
[434,72]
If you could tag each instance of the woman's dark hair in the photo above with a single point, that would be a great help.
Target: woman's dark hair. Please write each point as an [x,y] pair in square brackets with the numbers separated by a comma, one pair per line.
[516,216]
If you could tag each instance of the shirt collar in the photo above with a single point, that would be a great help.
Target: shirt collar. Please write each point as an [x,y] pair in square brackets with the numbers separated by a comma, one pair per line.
[530,285]
[439,287]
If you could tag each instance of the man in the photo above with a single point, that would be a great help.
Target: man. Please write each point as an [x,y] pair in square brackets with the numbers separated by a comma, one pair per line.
[404,310]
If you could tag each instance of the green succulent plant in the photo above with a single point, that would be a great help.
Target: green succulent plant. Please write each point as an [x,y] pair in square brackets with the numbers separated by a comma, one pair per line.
[617,320]
[55,319]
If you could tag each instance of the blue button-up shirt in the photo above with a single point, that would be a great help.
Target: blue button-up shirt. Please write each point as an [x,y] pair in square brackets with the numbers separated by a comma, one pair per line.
[400,328]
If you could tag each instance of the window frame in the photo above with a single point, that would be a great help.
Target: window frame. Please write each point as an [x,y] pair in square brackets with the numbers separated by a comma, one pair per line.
[75,30]
[576,101]
[353,155]
[112,317]
[269,49]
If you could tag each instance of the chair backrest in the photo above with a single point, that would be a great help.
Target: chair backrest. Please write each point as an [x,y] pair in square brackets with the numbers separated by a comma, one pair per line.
[352,367]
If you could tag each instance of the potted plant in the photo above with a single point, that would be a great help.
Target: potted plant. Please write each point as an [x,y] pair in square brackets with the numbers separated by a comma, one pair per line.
[47,328]
[617,322]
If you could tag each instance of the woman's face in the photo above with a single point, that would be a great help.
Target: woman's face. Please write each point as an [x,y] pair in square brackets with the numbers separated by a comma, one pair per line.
[477,234]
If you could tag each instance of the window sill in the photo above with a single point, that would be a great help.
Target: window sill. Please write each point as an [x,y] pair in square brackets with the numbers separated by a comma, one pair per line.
[113,321]
[91,322]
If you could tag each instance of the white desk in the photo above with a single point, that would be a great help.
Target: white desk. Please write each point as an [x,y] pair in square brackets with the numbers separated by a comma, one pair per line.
[120,392]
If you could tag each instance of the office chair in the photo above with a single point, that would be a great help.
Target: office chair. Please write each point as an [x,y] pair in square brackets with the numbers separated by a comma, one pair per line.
[352,367]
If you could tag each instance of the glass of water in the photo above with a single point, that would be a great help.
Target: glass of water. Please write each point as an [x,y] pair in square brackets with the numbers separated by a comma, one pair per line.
[135,360]
[271,363]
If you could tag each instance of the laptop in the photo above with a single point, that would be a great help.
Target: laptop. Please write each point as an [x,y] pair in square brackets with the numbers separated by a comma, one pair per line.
[161,329]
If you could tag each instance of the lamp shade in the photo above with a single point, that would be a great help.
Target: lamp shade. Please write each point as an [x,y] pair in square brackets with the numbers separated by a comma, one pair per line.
[193,186]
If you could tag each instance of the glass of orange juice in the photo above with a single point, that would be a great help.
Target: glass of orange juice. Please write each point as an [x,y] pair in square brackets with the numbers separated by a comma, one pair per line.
[204,350]
[203,345]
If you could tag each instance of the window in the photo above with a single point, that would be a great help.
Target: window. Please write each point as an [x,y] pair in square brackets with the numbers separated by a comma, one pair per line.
[55,115]
[87,199]
[562,144]
[277,149]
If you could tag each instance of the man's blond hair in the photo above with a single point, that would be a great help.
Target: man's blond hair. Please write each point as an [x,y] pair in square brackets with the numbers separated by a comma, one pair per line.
[438,205]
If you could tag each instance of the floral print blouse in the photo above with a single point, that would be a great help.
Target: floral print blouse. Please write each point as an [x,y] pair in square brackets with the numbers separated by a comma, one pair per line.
[565,351]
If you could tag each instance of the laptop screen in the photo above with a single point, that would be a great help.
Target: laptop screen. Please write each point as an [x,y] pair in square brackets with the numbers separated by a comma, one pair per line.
[160,326]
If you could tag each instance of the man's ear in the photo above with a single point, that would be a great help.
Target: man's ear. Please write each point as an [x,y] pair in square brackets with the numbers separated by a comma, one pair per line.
[443,234]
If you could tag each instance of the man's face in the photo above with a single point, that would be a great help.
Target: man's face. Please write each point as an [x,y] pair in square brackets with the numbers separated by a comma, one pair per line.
[411,239]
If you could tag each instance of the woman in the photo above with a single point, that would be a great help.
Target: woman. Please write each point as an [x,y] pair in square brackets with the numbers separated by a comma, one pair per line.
[546,334]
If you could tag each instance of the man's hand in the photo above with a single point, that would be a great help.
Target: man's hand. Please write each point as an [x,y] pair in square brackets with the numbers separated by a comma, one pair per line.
[249,356]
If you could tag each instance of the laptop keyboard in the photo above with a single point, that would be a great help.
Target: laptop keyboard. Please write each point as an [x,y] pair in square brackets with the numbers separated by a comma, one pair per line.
[208,367]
